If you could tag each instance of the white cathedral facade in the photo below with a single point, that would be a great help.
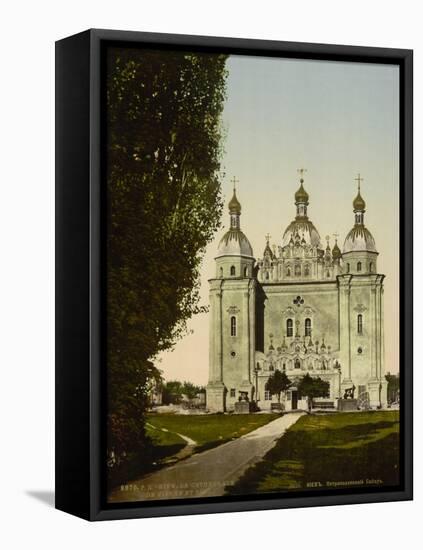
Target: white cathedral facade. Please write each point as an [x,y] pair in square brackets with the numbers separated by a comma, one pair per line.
[302,308]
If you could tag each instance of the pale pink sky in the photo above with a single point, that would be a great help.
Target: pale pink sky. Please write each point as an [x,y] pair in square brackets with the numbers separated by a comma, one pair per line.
[335,119]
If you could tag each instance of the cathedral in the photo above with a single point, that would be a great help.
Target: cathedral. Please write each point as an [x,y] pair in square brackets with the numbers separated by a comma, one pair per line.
[303,307]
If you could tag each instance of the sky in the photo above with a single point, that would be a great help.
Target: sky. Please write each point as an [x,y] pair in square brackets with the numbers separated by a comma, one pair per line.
[334,119]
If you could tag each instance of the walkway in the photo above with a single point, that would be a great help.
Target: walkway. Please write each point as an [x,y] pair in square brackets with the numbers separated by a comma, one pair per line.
[207,474]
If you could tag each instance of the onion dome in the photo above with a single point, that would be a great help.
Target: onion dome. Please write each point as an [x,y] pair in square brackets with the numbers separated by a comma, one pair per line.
[359,239]
[301,196]
[234,242]
[301,225]
[336,252]
[359,204]
[234,205]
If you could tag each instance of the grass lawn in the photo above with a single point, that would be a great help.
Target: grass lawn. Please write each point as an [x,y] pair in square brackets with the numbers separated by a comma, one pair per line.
[206,430]
[321,449]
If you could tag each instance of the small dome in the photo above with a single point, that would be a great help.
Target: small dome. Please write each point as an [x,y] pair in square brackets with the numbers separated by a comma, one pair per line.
[359,239]
[358,203]
[336,252]
[268,251]
[234,243]
[301,195]
[305,229]
[234,205]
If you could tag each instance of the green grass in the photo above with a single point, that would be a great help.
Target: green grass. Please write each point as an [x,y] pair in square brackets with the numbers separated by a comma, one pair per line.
[209,430]
[165,443]
[320,449]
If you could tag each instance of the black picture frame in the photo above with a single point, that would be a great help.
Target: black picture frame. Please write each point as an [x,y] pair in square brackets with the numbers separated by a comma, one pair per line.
[80,311]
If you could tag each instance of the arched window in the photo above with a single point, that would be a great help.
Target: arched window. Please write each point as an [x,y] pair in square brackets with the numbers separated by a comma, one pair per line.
[360,323]
[233,326]
[289,327]
[327,273]
[306,271]
[359,266]
[371,267]
[245,271]
[348,268]
[267,275]
[298,270]
[232,270]
[221,272]
[297,364]
[288,271]
[307,327]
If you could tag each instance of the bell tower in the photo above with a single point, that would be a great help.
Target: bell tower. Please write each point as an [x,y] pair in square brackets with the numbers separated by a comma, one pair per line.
[232,317]
[361,311]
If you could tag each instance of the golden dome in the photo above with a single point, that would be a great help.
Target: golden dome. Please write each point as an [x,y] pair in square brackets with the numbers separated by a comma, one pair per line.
[301,195]
[234,205]
[358,203]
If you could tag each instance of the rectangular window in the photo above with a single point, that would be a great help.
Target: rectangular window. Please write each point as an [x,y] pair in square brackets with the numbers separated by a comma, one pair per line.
[233,326]
[233,392]
[289,327]
[267,395]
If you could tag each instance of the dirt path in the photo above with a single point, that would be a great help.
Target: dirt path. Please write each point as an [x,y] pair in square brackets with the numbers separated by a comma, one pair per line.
[207,473]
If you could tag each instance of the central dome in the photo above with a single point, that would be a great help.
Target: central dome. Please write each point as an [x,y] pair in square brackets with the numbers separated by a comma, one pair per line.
[234,243]
[305,229]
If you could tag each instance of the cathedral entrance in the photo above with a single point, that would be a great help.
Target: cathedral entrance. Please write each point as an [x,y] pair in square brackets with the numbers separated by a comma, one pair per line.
[294,400]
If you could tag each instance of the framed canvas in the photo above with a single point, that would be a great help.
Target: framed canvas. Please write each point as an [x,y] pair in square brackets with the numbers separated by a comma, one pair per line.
[233,274]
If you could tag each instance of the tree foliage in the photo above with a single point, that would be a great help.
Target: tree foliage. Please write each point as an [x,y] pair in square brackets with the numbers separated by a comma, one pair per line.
[277,383]
[164,206]
[393,386]
[174,390]
[311,387]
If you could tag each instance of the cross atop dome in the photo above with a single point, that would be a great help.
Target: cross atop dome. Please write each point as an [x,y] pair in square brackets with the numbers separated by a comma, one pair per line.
[302,171]
[359,204]
[234,181]
[234,204]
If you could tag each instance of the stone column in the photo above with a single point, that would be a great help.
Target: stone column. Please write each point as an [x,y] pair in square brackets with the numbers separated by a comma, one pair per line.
[374,382]
[215,335]
[215,398]
[252,323]
[246,337]
[345,330]
[373,339]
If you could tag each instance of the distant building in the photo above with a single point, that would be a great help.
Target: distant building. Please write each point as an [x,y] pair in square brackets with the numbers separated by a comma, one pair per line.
[155,395]
[301,308]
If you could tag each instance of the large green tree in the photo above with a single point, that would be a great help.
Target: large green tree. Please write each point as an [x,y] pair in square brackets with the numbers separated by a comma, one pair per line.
[313,387]
[164,206]
[277,383]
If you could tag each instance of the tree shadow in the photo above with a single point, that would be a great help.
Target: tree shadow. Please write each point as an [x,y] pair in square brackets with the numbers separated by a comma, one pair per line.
[46,497]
